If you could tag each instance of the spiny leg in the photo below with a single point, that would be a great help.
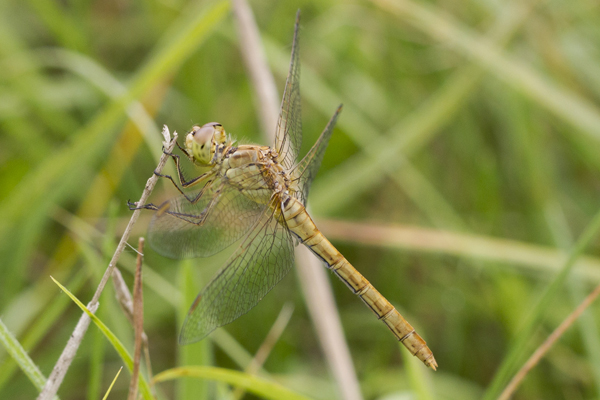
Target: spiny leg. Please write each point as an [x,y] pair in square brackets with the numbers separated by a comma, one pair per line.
[196,219]
[184,151]
[134,206]
[185,183]
[165,206]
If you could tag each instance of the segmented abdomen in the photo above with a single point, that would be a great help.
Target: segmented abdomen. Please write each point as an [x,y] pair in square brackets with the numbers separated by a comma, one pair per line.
[299,222]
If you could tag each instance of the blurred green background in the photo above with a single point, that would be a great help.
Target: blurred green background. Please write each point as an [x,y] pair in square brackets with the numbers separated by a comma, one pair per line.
[474,120]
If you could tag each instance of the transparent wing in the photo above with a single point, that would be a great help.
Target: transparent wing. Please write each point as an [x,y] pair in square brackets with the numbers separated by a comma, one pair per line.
[262,260]
[288,137]
[307,169]
[222,215]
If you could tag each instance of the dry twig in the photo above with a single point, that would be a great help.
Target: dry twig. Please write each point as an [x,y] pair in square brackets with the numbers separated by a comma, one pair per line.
[548,343]
[138,322]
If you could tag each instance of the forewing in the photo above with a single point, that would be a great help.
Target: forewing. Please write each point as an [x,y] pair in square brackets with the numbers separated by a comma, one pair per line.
[307,169]
[222,215]
[288,137]
[262,260]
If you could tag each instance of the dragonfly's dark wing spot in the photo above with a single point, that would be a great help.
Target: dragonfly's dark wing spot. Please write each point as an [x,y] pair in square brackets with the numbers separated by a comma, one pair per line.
[195,303]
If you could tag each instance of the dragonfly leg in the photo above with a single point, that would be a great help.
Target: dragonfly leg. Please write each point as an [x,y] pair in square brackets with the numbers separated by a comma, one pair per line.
[197,197]
[165,152]
[185,183]
[182,180]
[169,177]
[196,219]
[134,206]
[184,151]
[164,208]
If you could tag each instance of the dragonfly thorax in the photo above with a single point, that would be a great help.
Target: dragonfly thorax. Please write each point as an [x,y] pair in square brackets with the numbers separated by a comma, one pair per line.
[254,171]
[203,143]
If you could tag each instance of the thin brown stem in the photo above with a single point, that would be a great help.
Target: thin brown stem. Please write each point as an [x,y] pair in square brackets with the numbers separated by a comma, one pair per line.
[126,302]
[138,322]
[64,362]
[548,343]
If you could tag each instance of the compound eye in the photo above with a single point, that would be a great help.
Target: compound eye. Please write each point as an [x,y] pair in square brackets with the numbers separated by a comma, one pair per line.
[203,135]
[215,124]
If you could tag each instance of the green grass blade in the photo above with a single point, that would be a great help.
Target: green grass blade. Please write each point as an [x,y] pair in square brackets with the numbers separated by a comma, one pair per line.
[96,363]
[418,375]
[519,346]
[258,386]
[41,324]
[61,23]
[88,69]
[112,384]
[114,341]
[28,85]
[18,353]
[195,354]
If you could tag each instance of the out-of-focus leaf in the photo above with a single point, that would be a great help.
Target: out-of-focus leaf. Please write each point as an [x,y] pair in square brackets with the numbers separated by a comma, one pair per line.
[253,384]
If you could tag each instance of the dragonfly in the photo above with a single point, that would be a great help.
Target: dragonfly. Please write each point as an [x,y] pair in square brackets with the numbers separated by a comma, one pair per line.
[257,194]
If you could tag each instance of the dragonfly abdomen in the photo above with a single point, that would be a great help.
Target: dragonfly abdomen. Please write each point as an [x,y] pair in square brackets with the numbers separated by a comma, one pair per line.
[300,223]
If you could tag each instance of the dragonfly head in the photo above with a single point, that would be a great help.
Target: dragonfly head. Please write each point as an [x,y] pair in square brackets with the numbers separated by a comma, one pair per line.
[202,141]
